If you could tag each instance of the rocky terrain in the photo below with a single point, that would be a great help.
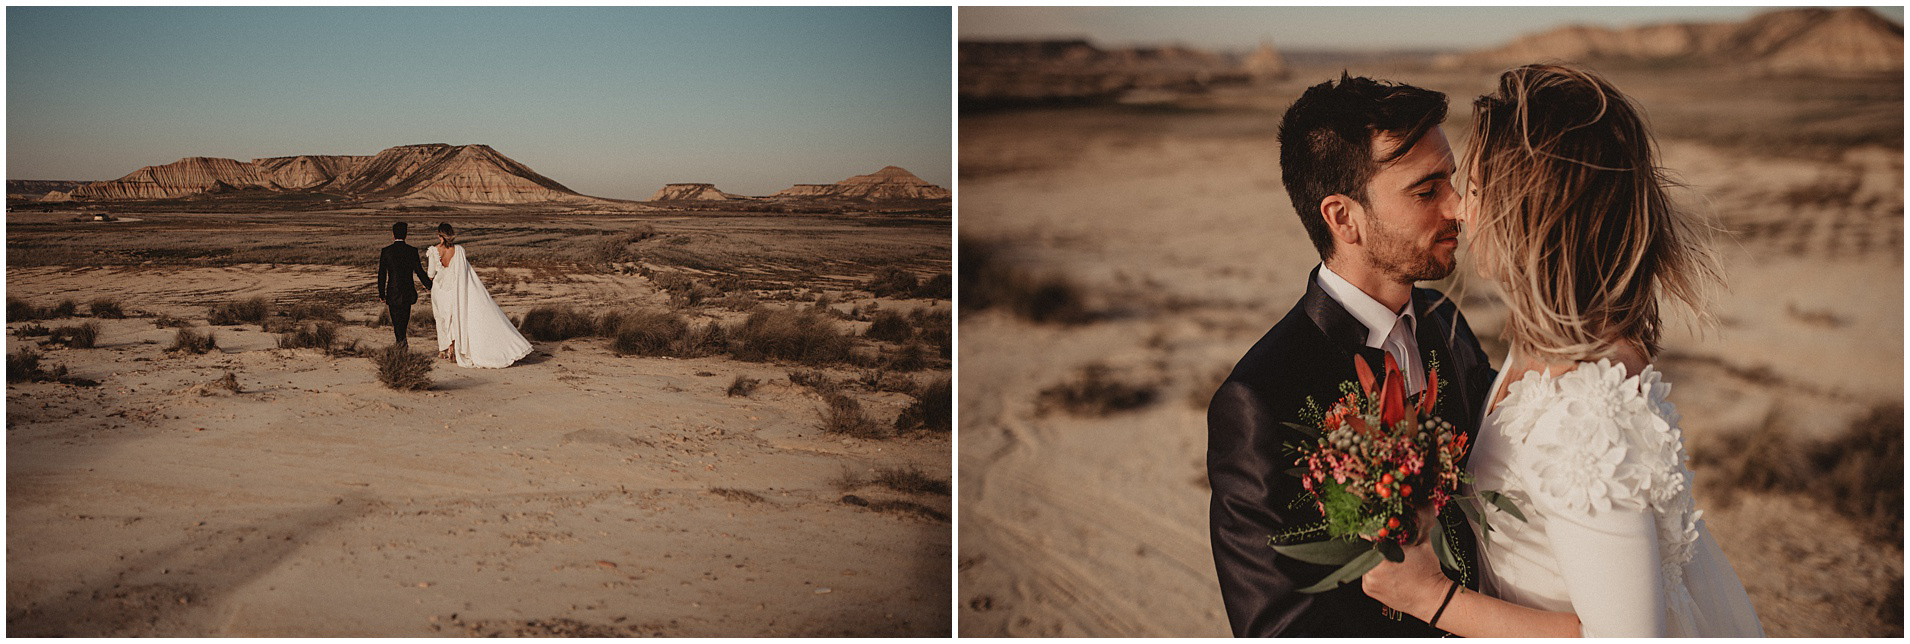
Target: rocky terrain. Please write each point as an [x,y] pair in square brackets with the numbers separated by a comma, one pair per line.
[30,189]
[435,171]
[692,192]
[888,184]
[1019,73]
[1852,40]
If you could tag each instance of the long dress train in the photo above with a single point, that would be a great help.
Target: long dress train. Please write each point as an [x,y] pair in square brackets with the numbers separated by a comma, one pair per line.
[465,313]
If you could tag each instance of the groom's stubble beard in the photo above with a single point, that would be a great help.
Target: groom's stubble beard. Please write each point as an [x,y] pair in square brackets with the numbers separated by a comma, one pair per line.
[1398,255]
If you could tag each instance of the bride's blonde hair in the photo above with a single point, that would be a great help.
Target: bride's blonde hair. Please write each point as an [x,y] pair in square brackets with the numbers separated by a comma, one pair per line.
[1573,220]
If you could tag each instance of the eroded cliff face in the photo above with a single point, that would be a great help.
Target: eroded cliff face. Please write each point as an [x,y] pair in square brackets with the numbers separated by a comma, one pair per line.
[434,171]
[692,192]
[1853,40]
[888,184]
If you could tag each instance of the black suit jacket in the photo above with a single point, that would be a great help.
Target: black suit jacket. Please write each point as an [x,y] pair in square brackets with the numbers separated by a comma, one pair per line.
[1308,354]
[396,264]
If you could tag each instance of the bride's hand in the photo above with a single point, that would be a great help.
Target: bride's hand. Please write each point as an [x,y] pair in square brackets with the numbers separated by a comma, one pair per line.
[1416,585]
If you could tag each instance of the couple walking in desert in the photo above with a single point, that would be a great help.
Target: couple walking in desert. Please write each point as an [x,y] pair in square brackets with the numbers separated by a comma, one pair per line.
[471,328]
[1596,532]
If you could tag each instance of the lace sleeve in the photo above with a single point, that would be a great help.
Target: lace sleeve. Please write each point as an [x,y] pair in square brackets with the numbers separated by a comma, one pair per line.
[1592,451]
[432,263]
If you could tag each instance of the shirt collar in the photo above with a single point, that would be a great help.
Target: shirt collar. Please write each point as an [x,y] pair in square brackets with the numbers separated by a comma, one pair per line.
[1377,319]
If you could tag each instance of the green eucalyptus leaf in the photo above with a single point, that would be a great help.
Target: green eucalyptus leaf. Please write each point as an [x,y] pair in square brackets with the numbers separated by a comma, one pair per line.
[1504,504]
[1351,571]
[1392,551]
[1444,548]
[1329,552]
[1297,472]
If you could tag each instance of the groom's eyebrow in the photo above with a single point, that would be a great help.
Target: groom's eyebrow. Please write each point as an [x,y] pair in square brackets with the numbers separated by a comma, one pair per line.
[1436,175]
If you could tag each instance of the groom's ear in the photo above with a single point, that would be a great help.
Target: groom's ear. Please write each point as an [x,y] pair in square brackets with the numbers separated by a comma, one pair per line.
[1342,218]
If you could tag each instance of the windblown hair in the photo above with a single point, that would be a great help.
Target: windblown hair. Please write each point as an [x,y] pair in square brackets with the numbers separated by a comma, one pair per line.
[1573,218]
[450,236]
[1326,141]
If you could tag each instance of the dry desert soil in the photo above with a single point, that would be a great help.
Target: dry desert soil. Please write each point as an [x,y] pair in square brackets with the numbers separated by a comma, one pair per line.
[579,492]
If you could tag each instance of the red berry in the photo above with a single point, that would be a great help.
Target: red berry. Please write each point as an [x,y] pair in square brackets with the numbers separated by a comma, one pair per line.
[1382,533]
[1392,522]
[1406,490]
[1384,493]
[1386,478]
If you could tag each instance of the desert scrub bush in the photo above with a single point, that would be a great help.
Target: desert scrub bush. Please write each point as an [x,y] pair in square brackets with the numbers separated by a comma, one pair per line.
[889,326]
[805,337]
[65,309]
[553,323]
[420,319]
[1094,393]
[910,480]
[607,250]
[106,307]
[84,336]
[1859,474]
[931,408]
[652,333]
[739,301]
[910,357]
[164,321]
[320,335]
[937,287]
[230,313]
[741,496]
[908,508]
[883,380]
[19,310]
[320,311]
[190,341]
[843,415]
[893,281]
[27,366]
[400,368]
[32,330]
[816,381]
[988,282]
[742,386]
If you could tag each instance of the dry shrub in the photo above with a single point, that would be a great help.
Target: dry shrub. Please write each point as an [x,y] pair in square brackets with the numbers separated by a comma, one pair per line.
[742,496]
[230,313]
[816,381]
[190,341]
[1094,393]
[33,330]
[320,335]
[106,307]
[84,336]
[804,337]
[909,508]
[652,333]
[889,326]
[19,310]
[742,386]
[1859,474]
[26,366]
[932,408]
[990,282]
[911,357]
[847,480]
[893,281]
[911,480]
[554,323]
[881,380]
[320,311]
[164,321]
[739,301]
[399,368]
[938,287]
[65,309]
[843,415]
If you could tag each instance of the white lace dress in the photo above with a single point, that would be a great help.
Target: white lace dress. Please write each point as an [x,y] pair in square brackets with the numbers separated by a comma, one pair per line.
[465,313]
[1596,462]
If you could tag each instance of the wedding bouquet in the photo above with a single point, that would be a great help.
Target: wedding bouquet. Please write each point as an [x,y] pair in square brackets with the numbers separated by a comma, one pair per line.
[1374,461]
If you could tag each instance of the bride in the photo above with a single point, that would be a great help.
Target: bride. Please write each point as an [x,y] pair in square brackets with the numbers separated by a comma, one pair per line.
[471,328]
[1569,215]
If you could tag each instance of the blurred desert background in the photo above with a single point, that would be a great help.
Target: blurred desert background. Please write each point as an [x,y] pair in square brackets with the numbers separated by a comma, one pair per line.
[735,420]
[1125,238]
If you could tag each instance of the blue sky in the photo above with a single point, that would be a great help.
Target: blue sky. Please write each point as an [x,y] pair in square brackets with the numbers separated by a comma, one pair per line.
[610,101]
[1323,28]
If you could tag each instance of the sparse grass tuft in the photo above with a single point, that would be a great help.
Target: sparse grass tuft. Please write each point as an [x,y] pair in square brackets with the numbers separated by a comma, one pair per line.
[742,386]
[319,311]
[84,336]
[803,337]
[164,321]
[889,326]
[1094,393]
[106,307]
[554,323]
[932,408]
[231,313]
[652,333]
[402,369]
[1858,474]
[816,381]
[990,282]
[320,335]
[742,496]
[893,281]
[26,366]
[843,415]
[911,480]
[65,309]
[33,330]
[909,508]
[190,341]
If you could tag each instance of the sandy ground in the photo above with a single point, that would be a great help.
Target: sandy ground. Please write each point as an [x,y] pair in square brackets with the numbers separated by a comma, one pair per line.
[575,493]
[1175,224]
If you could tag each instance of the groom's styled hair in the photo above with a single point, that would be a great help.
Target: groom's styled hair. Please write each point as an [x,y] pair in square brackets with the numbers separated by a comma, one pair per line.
[398,230]
[1326,141]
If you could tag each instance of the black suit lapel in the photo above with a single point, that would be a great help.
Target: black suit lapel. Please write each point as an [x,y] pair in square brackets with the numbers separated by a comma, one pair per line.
[1336,323]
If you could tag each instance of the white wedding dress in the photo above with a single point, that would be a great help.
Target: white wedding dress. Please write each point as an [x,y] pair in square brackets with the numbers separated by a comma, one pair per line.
[1595,461]
[465,313]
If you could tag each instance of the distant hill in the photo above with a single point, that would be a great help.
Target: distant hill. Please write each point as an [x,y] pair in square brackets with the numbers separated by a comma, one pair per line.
[1009,73]
[1854,40]
[692,192]
[432,171]
[888,184]
[35,189]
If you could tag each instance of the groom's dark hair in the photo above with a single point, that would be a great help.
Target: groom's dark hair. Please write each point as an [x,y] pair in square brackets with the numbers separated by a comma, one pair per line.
[1326,141]
[398,230]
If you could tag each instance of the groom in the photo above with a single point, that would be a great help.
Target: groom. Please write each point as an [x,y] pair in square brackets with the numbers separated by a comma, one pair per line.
[396,264]
[1370,174]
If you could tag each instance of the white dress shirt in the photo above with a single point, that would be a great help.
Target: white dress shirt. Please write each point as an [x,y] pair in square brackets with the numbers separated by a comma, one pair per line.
[1393,332]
